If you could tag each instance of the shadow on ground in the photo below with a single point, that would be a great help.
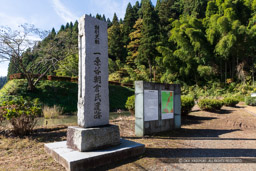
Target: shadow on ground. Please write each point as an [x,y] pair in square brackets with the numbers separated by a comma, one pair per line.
[192,134]
[44,135]
[120,163]
[195,152]
[224,111]
[47,135]
[191,119]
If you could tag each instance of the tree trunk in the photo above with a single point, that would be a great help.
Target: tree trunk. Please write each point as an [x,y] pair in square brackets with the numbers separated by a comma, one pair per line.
[225,71]
[154,75]
[221,74]
[31,86]
[252,72]
[150,69]
[233,68]
[253,77]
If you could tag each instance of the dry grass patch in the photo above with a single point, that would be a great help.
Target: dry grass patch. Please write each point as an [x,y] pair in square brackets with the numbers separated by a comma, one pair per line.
[52,112]
[28,153]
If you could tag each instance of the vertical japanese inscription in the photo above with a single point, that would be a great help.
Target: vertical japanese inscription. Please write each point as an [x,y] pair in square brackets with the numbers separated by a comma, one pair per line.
[97,34]
[97,78]
[97,87]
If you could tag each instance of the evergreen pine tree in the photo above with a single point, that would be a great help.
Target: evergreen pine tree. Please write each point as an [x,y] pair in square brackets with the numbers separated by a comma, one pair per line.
[165,12]
[134,44]
[71,25]
[67,26]
[196,8]
[147,49]
[115,44]
[129,21]
[158,4]
[136,9]
[62,28]
[98,16]
[76,27]
[53,33]
[104,18]
[121,21]
[109,22]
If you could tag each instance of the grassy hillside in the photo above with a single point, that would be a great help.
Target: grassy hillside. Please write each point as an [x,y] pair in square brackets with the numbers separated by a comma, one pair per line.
[63,94]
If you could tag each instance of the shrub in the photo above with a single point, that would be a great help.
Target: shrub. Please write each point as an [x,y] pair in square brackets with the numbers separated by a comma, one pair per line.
[187,103]
[2,112]
[52,112]
[21,114]
[251,101]
[230,101]
[130,104]
[210,104]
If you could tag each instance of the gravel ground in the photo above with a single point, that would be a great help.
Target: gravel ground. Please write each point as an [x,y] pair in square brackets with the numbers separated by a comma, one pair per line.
[207,141]
[204,142]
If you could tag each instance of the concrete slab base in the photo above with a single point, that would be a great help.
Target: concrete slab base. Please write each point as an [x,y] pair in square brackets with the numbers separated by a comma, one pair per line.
[77,161]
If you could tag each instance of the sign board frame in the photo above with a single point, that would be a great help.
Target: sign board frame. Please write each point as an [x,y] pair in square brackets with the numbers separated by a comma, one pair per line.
[167,104]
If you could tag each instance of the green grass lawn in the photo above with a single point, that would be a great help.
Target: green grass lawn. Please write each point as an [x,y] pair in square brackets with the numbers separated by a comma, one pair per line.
[62,94]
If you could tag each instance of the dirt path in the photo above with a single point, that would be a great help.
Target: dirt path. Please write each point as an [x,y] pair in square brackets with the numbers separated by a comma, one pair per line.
[227,136]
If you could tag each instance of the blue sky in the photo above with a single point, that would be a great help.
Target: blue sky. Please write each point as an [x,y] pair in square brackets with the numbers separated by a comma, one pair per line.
[46,14]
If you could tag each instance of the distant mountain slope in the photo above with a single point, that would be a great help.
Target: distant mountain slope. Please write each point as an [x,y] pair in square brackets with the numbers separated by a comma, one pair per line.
[3,80]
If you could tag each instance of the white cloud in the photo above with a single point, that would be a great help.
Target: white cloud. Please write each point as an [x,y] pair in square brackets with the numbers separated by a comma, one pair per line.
[109,7]
[63,12]
[11,21]
[114,6]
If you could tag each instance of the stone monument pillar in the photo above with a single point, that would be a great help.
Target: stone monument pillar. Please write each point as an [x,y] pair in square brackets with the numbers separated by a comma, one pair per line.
[93,97]
[94,142]
[94,131]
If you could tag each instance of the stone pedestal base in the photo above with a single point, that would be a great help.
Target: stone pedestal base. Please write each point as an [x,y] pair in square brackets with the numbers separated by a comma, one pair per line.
[88,139]
[74,160]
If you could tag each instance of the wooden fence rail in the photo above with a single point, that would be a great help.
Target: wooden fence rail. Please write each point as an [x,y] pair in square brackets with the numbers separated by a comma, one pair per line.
[67,79]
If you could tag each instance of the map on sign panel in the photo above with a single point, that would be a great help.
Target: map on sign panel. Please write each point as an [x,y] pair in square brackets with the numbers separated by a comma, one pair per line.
[167,106]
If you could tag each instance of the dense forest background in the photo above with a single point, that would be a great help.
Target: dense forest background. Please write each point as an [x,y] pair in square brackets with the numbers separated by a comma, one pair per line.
[192,42]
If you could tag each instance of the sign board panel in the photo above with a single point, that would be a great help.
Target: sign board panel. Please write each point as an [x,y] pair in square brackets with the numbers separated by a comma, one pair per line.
[167,105]
[150,105]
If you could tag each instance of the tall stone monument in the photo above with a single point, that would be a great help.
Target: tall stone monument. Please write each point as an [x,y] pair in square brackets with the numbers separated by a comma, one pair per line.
[93,97]
[94,142]
[93,93]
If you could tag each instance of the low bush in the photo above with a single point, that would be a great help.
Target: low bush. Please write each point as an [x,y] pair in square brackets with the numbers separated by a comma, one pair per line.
[187,103]
[21,114]
[52,112]
[251,101]
[210,104]
[130,104]
[2,112]
[230,101]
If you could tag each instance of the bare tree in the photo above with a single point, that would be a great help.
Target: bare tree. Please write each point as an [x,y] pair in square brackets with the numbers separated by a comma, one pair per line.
[13,43]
